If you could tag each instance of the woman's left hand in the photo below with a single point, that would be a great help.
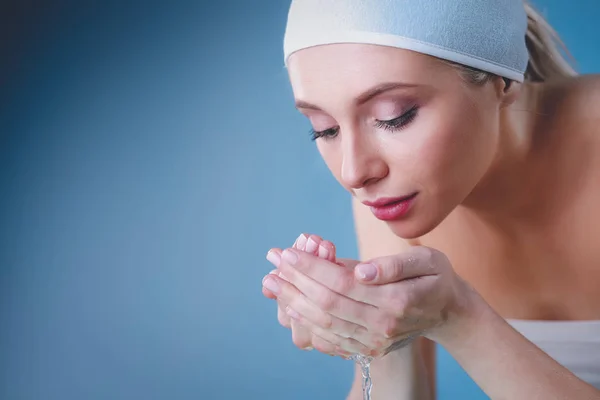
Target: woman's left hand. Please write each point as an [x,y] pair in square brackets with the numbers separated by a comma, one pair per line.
[379,305]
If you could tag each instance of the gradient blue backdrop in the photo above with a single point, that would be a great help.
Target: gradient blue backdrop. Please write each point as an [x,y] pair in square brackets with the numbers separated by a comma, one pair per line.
[150,155]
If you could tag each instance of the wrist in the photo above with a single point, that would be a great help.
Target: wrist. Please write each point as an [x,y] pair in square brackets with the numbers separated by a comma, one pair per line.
[402,372]
[467,314]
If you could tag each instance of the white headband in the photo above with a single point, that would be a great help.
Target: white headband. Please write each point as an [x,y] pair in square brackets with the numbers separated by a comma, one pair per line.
[485,34]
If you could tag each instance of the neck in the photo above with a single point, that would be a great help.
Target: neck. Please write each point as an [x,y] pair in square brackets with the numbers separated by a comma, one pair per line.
[508,188]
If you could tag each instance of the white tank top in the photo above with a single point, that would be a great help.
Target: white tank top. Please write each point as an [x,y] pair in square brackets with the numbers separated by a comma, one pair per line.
[574,344]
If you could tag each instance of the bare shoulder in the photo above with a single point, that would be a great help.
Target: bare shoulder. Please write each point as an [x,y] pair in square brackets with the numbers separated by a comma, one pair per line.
[585,92]
[578,97]
[572,106]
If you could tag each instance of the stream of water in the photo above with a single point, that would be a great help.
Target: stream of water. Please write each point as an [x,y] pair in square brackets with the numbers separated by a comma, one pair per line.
[365,366]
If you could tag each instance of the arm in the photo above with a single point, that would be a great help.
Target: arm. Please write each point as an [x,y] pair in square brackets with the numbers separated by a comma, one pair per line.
[503,363]
[506,365]
[407,373]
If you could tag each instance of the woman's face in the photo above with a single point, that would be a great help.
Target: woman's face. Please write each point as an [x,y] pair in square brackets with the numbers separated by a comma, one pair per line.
[393,124]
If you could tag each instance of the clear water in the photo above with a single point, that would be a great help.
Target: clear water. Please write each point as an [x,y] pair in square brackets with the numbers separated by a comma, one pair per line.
[365,366]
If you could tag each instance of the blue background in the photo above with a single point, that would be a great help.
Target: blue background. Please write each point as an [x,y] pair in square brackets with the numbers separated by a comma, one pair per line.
[150,155]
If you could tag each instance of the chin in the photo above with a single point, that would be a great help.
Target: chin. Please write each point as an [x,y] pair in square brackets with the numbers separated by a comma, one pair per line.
[408,230]
[415,226]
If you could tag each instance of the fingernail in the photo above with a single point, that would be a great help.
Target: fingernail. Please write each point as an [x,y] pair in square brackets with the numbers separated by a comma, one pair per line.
[290,257]
[366,272]
[292,313]
[323,251]
[311,246]
[301,242]
[273,258]
[271,285]
[309,348]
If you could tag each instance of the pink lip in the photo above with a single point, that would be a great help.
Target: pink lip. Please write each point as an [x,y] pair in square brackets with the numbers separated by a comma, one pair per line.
[389,209]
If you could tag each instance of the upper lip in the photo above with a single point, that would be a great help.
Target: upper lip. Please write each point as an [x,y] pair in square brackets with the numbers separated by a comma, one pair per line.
[384,201]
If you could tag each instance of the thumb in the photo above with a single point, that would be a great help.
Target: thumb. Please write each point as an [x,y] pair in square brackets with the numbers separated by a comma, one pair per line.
[411,264]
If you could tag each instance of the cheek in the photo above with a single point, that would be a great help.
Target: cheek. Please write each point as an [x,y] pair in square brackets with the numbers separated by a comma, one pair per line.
[455,154]
[332,158]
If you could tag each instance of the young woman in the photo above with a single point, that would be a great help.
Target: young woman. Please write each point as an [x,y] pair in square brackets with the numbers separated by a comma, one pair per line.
[472,151]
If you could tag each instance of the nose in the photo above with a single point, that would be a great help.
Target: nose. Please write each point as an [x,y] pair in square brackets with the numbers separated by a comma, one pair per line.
[362,162]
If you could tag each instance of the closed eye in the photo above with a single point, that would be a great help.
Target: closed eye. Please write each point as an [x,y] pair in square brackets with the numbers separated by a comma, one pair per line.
[393,125]
[400,122]
[326,134]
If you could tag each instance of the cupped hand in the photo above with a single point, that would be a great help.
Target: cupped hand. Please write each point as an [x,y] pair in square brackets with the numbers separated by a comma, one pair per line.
[316,246]
[377,306]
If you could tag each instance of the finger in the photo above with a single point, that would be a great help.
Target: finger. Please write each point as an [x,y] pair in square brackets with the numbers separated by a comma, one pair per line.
[324,248]
[322,345]
[326,314]
[297,266]
[266,292]
[274,256]
[327,251]
[308,243]
[300,242]
[301,336]
[414,263]
[283,318]
[312,245]
[346,346]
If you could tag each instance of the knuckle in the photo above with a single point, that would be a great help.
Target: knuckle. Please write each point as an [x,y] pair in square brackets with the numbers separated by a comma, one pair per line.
[282,317]
[390,330]
[381,342]
[387,327]
[428,252]
[284,320]
[326,321]
[345,284]
[398,267]
[439,259]
[377,353]
[326,300]
[321,347]
[428,256]
[300,337]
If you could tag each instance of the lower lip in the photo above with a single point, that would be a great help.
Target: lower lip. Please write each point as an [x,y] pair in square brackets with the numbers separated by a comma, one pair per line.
[393,211]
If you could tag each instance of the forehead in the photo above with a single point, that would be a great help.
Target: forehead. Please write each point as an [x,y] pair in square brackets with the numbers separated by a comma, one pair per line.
[351,68]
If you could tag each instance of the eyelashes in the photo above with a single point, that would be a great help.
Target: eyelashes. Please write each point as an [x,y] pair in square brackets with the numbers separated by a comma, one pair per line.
[327,133]
[399,122]
[392,125]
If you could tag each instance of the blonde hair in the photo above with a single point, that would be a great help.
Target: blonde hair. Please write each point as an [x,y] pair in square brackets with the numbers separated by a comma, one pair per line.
[546,62]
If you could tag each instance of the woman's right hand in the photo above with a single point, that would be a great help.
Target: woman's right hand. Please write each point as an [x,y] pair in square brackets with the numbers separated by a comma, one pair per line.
[311,244]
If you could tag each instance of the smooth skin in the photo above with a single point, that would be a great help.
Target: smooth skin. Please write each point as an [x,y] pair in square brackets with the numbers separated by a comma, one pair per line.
[505,223]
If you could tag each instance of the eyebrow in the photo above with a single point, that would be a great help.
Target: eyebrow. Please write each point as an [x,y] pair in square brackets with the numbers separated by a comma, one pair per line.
[363,97]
